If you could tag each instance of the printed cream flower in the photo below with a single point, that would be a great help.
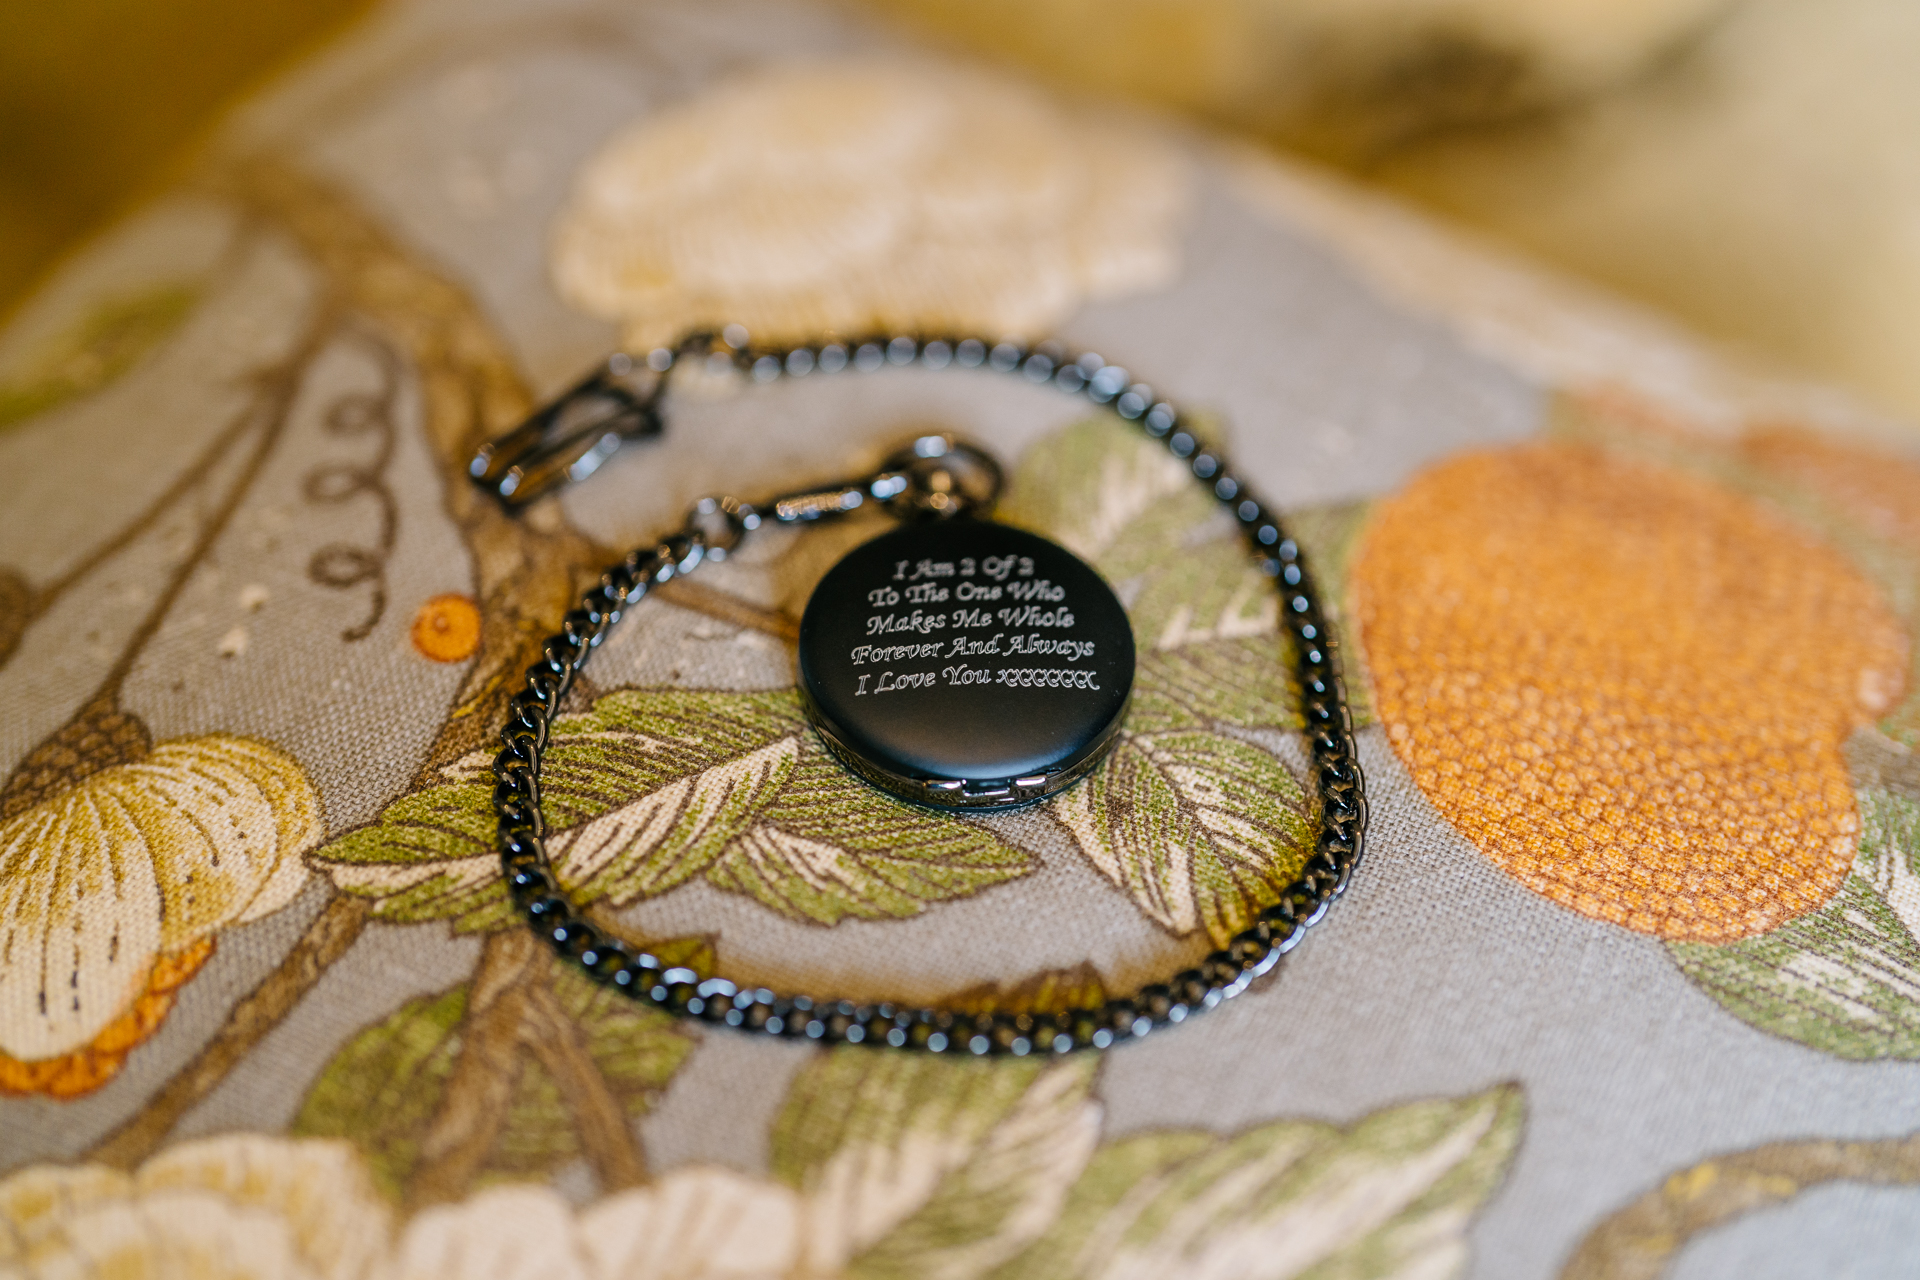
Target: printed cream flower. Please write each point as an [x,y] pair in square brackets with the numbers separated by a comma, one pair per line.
[858,196]
[882,1164]
[112,887]
[252,1205]
[693,1224]
[705,1223]
[244,1207]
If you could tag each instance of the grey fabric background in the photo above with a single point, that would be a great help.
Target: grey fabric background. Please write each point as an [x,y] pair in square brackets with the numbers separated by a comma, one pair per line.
[1438,975]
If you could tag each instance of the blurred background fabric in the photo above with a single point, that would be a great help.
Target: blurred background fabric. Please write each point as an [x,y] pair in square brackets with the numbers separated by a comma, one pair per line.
[1744,164]
[99,97]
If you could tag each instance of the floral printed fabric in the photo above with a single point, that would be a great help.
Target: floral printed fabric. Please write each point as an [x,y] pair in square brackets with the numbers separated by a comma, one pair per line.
[1630,663]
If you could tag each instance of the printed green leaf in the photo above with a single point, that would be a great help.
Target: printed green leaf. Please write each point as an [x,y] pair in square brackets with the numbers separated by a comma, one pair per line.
[384,1086]
[1088,484]
[1244,683]
[1844,979]
[1391,1195]
[852,1099]
[646,789]
[105,343]
[1048,991]
[636,1050]
[1006,1192]
[1123,504]
[829,848]
[1330,537]
[1205,620]
[1201,830]
[655,786]
[926,1167]
[429,856]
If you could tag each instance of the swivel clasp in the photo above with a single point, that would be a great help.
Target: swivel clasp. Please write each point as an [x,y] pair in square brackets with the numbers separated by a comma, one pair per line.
[933,477]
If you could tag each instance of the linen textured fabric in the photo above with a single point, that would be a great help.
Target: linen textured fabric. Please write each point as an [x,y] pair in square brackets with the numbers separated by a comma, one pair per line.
[1628,984]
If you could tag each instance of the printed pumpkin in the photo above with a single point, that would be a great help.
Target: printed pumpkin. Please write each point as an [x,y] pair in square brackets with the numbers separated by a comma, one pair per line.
[112,887]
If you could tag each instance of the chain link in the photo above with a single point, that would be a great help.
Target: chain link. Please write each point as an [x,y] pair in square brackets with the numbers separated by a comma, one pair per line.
[717,525]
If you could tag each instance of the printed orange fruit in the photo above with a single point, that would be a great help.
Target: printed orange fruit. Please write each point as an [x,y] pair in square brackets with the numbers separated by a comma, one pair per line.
[1626,686]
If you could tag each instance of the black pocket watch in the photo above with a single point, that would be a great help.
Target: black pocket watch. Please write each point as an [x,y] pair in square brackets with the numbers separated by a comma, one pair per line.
[958,662]
[954,662]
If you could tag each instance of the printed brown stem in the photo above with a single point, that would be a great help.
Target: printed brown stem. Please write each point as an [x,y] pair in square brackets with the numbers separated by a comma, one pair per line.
[725,607]
[53,764]
[324,941]
[1640,1241]
[191,477]
[527,570]
[480,1089]
[25,605]
[605,1136]
[527,567]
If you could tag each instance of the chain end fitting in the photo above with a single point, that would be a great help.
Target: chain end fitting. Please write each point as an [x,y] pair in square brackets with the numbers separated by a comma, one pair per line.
[567,439]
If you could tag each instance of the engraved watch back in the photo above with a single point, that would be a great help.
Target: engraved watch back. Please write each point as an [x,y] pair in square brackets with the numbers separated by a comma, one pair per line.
[966,664]
[960,663]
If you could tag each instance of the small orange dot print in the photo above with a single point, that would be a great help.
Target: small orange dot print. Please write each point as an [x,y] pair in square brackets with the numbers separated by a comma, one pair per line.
[1627,687]
[447,628]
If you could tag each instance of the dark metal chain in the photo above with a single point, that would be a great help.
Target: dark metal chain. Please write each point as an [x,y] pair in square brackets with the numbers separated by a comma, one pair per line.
[614,410]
